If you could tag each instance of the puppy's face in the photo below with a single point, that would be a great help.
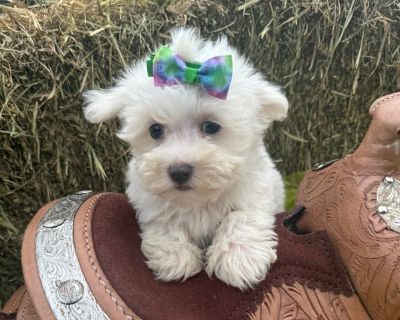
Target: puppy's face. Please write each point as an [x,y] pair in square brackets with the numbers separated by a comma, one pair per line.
[189,147]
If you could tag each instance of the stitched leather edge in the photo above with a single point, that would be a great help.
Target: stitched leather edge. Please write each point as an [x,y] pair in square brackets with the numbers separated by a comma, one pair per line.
[14,302]
[29,266]
[105,294]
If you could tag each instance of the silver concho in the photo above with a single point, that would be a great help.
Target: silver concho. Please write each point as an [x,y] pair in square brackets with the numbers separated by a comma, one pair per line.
[70,291]
[388,202]
[58,214]
[63,282]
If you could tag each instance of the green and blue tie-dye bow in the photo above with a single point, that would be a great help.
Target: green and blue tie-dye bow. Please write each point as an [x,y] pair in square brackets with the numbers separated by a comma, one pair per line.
[168,69]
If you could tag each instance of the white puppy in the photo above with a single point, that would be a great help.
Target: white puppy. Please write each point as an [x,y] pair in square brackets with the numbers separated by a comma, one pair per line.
[204,188]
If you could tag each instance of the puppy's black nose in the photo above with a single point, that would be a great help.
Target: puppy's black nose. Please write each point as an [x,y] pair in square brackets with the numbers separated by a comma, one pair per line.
[180,172]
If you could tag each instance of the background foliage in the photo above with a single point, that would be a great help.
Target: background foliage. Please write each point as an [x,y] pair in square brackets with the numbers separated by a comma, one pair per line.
[332,57]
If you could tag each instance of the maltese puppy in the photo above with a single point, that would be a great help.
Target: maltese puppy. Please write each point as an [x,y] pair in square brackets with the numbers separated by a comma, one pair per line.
[204,189]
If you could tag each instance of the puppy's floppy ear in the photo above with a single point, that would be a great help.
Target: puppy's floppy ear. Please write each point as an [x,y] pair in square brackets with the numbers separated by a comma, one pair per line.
[274,103]
[104,104]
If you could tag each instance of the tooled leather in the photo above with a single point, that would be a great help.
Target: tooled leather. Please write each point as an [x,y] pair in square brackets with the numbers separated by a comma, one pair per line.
[15,301]
[342,201]
[26,310]
[297,302]
[318,269]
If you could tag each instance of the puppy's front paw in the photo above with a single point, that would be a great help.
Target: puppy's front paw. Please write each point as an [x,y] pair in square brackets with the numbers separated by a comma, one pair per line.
[171,261]
[241,265]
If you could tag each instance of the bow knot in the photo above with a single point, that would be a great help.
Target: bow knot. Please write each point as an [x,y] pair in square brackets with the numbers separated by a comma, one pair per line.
[169,69]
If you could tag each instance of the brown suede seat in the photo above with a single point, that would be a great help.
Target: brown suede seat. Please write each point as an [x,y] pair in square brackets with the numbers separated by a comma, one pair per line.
[308,259]
[308,281]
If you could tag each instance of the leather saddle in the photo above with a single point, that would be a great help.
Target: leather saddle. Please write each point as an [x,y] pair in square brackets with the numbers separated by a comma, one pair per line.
[81,259]
[338,259]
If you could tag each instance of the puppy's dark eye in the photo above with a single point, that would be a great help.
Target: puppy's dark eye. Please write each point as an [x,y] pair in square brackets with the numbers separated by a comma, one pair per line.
[210,127]
[156,130]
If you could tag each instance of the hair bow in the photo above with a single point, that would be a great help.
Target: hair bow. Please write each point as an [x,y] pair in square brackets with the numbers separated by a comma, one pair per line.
[169,69]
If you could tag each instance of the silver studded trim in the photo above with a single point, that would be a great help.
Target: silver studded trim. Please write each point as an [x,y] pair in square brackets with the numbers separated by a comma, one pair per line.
[66,289]
[323,165]
[388,202]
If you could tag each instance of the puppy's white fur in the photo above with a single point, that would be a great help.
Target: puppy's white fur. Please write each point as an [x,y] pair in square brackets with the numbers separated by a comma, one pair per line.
[225,222]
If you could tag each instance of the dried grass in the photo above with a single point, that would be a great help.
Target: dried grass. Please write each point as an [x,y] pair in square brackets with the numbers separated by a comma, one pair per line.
[332,57]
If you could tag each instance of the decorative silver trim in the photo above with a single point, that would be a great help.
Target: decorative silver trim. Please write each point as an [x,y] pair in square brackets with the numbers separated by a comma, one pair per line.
[388,202]
[323,165]
[64,284]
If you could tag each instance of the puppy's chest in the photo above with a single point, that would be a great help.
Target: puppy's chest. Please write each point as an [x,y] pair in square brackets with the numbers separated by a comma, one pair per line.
[202,225]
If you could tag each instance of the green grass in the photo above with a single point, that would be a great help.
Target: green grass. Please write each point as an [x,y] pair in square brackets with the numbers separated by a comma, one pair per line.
[292,182]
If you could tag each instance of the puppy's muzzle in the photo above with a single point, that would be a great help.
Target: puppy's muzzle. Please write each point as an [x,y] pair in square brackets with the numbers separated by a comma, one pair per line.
[180,173]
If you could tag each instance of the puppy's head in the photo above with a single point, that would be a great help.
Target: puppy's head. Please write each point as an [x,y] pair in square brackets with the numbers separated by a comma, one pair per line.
[190,146]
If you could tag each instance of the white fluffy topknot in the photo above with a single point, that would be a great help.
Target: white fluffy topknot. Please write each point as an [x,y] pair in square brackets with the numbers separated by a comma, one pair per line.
[104,104]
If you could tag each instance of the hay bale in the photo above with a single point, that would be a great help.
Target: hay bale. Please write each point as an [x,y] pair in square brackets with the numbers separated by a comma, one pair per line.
[332,58]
